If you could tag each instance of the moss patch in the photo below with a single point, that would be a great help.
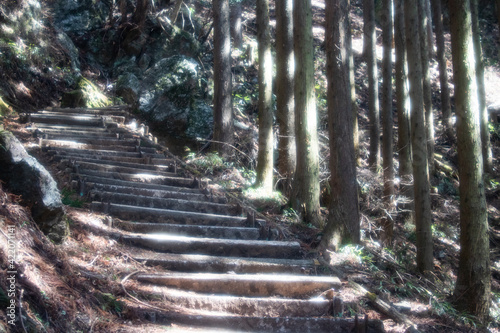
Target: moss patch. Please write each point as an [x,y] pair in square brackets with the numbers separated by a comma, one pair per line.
[87,95]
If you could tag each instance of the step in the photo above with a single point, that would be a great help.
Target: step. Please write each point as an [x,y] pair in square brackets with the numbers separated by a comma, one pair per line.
[285,285]
[73,144]
[138,213]
[96,141]
[145,162]
[139,185]
[216,247]
[191,230]
[143,177]
[107,168]
[124,107]
[79,135]
[64,116]
[214,264]
[57,127]
[240,305]
[65,119]
[110,161]
[175,193]
[165,203]
[105,153]
[90,111]
[263,324]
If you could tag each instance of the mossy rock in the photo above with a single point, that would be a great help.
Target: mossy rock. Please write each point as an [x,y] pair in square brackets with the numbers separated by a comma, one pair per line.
[87,95]
[5,109]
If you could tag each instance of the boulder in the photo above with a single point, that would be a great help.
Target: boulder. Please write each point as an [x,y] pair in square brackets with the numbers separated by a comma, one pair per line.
[170,97]
[144,62]
[23,175]
[200,120]
[128,88]
[127,65]
[78,18]
[70,49]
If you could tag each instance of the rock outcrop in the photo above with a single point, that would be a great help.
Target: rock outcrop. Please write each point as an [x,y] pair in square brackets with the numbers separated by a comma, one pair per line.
[23,175]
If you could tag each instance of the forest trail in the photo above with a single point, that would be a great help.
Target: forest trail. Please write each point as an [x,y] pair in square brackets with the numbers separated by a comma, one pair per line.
[204,261]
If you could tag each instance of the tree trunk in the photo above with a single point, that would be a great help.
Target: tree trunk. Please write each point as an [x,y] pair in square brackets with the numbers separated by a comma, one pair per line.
[404,144]
[236,29]
[497,6]
[373,103]
[427,89]
[265,156]
[305,198]
[430,36]
[354,103]
[387,117]
[223,102]
[141,13]
[481,94]
[111,12]
[443,72]
[123,11]
[421,187]
[403,108]
[343,220]
[284,92]
[472,290]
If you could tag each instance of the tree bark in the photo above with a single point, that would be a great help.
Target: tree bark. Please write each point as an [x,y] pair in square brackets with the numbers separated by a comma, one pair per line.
[123,11]
[236,29]
[427,89]
[443,72]
[343,219]
[481,93]
[141,13]
[305,198]
[430,36]
[421,186]
[403,114]
[472,290]
[401,78]
[354,103]
[265,156]
[387,117]
[284,92]
[497,5]
[111,12]
[373,103]
[223,102]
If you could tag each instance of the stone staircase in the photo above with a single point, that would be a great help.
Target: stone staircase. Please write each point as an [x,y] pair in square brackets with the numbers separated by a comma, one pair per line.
[215,257]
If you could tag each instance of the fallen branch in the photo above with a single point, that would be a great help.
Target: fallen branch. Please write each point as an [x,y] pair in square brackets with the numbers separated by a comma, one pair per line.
[227,144]
[445,167]
[385,308]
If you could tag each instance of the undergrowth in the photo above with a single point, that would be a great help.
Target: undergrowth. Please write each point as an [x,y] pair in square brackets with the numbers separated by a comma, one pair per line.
[70,198]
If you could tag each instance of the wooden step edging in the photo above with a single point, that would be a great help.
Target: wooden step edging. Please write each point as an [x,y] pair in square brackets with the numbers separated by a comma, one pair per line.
[216,264]
[285,285]
[172,243]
